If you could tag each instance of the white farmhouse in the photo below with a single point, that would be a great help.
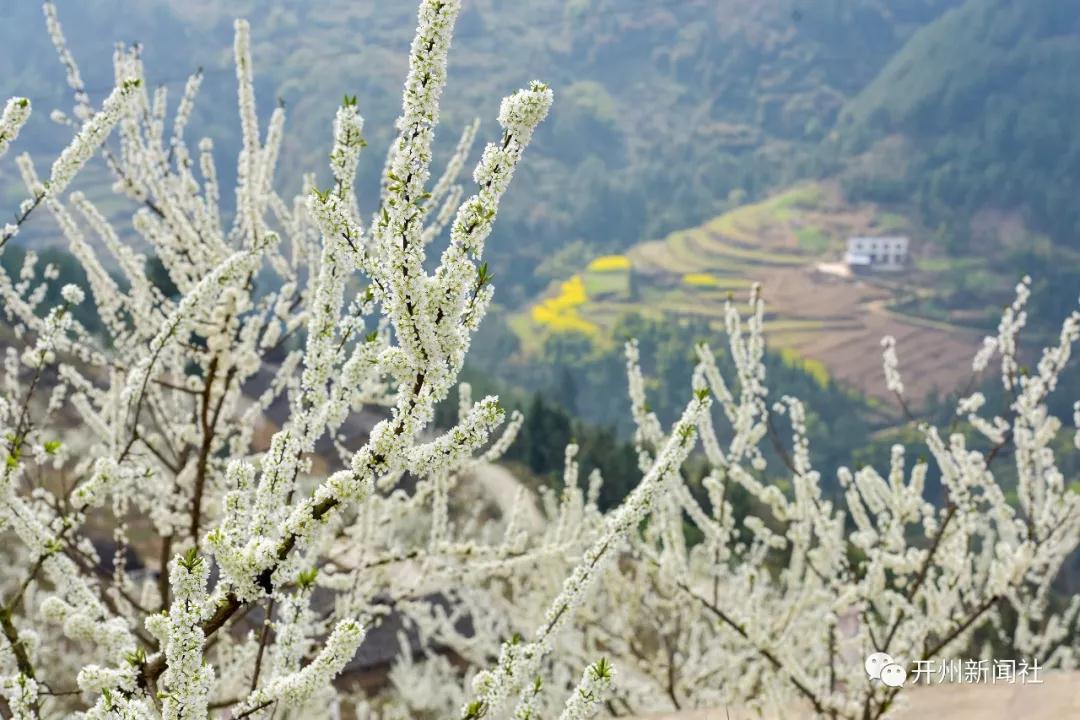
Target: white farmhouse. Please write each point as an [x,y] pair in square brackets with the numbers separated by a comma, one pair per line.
[877,253]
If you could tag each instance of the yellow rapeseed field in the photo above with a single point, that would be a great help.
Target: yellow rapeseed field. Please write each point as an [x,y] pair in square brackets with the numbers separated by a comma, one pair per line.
[560,312]
[609,263]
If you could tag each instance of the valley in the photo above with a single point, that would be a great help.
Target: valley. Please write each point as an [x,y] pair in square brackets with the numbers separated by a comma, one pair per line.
[829,324]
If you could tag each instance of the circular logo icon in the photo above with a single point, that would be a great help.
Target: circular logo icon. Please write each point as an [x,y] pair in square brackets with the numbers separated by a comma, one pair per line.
[893,675]
[876,662]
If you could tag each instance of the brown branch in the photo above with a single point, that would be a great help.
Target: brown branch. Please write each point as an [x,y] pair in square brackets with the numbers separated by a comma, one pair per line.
[774,436]
[14,602]
[924,571]
[139,400]
[264,636]
[21,218]
[174,386]
[819,707]
[253,710]
[163,574]
[18,649]
[231,603]
[671,670]
[832,664]
[157,453]
[209,423]
[23,426]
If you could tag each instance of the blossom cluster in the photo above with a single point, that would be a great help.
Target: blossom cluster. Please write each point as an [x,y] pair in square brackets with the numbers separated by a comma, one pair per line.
[172,391]
[16,113]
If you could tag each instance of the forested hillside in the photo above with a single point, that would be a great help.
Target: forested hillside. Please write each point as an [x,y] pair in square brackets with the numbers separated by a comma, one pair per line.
[988,100]
[667,112]
[973,127]
[953,120]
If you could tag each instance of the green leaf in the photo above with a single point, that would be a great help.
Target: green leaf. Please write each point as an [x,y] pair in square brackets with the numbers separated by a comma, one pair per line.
[475,710]
[483,275]
[307,578]
[190,559]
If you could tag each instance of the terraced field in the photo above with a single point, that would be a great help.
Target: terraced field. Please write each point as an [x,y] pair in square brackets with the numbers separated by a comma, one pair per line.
[853,319]
[819,320]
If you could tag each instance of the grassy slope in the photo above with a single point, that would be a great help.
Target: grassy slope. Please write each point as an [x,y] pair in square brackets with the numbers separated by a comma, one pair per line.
[694,271]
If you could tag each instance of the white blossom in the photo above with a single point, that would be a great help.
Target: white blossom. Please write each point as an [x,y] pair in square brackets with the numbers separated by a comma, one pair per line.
[16,113]
[891,365]
[593,689]
[72,294]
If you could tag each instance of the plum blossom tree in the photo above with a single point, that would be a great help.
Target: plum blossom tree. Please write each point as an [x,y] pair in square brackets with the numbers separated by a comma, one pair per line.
[165,557]
[779,609]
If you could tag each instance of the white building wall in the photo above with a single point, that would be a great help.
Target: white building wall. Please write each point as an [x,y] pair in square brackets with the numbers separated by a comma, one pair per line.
[885,253]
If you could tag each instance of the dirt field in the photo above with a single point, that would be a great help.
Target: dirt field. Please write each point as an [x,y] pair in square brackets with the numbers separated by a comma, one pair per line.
[854,320]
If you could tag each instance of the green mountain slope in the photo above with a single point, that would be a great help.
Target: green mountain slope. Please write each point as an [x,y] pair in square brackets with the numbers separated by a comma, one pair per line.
[664,109]
[962,115]
[988,96]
